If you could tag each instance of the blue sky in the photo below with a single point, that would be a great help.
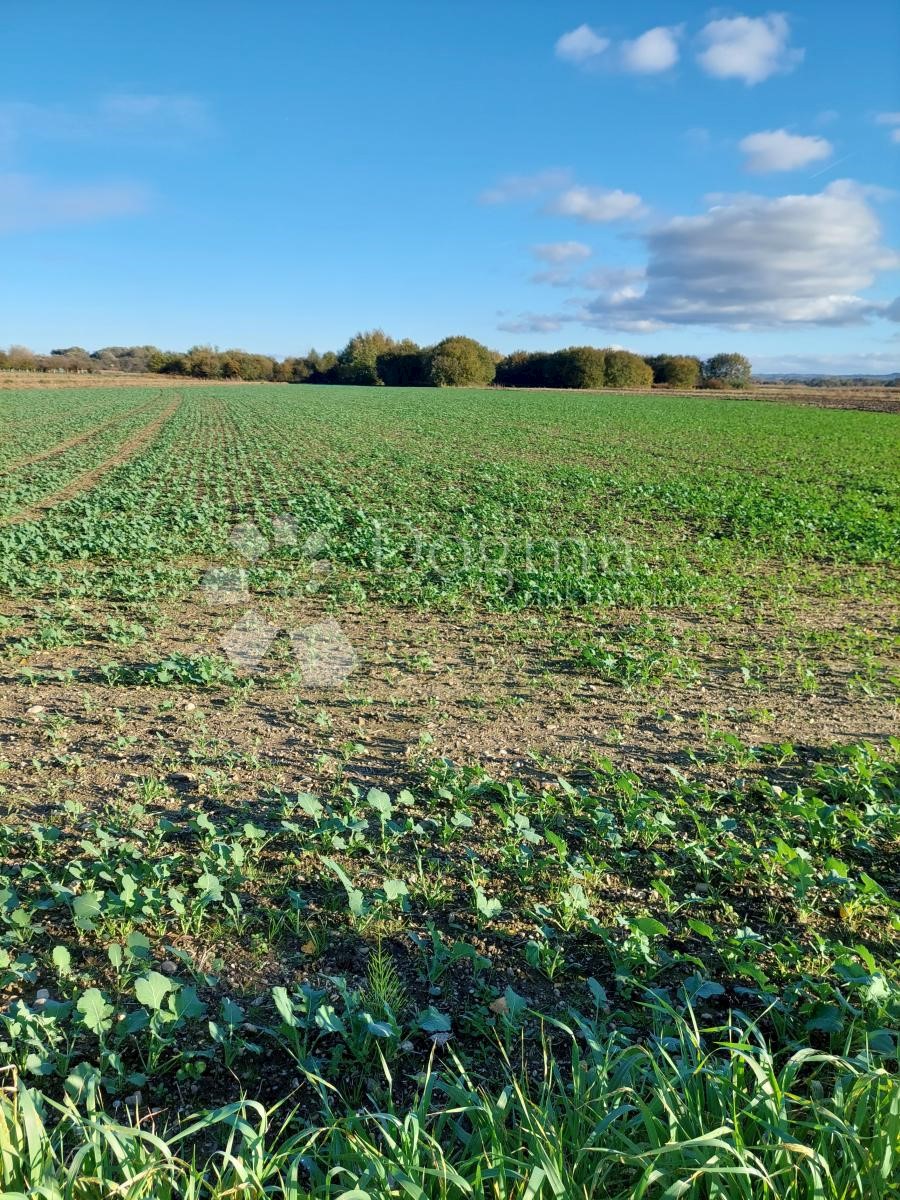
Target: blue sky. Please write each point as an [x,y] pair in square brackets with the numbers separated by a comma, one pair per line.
[665,176]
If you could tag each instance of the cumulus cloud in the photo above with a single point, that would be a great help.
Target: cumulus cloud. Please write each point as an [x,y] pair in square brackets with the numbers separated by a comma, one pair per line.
[560,252]
[581,45]
[747,48]
[760,262]
[595,205]
[778,150]
[748,262]
[656,50]
[525,187]
[27,203]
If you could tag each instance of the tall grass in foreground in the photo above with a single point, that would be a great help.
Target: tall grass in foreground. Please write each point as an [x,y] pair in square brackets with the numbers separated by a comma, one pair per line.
[686,1116]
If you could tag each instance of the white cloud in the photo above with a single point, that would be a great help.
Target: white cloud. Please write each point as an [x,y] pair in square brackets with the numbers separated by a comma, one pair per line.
[655,50]
[580,45]
[749,262]
[27,203]
[874,363]
[596,205]
[560,252]
[524,187]
[748,48]
[778,150]
[757,262]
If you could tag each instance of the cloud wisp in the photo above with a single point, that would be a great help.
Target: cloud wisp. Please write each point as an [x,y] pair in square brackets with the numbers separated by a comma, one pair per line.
[589,205]
[513,188]
[892,121]
[121,116]
[561,252]
[29,203]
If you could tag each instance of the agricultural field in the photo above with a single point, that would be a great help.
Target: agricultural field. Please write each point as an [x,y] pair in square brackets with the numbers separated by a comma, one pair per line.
[448,793]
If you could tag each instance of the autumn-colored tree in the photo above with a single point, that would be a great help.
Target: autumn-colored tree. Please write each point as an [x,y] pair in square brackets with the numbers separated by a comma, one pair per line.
[358,361]
[202,362]
[730,370]
[624,369]
[577,367]
[675,370]
[404,365]
[460,362]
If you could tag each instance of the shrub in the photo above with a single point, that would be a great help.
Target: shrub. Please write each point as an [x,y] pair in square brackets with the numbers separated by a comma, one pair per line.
[731,370]
[624,369]
[403,366]
[675,370]
[578,367]
[358,361]
[524,368]
[460,362]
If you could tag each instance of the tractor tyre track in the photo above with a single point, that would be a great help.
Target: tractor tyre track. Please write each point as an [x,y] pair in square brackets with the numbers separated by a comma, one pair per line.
[76,440]
[81,483]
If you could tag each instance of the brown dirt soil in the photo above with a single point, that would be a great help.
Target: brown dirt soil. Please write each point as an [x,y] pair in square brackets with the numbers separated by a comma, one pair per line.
[495,690]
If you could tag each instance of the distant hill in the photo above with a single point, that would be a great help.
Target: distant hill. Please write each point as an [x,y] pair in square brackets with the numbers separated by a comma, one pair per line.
[890,380]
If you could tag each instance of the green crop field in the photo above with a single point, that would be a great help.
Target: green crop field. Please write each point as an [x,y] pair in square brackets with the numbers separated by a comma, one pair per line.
[447,793]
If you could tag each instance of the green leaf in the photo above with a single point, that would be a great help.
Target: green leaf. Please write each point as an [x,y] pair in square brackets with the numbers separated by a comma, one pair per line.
[85,908]
[650,926]
[328,1019]
[488,906]
[209,886]
[82,1083]
[702,928]
[186,1004]
[138,945]
[151,990]
[62,960]
[232,1014]
[598,991]
[381,802]
[827,1018]
[96,1012]
[285,1007]
[432,1021]
[355,897]
[394,889]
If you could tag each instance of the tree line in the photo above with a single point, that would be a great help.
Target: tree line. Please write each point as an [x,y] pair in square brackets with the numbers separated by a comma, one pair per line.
[374,358]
